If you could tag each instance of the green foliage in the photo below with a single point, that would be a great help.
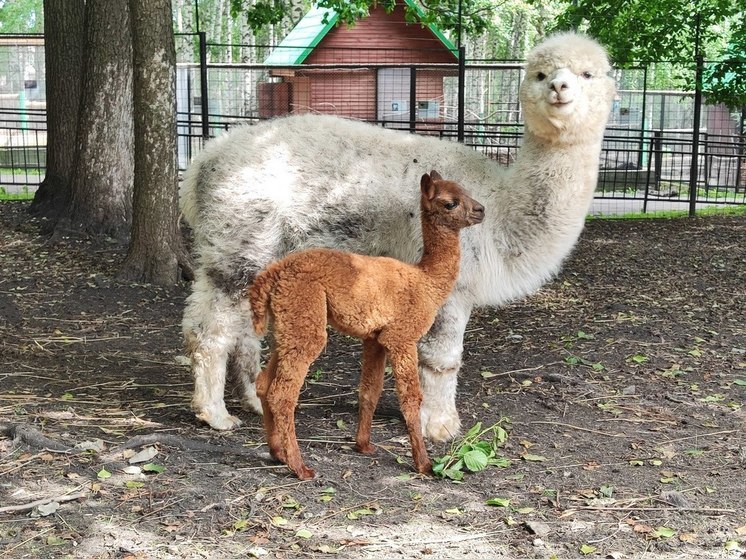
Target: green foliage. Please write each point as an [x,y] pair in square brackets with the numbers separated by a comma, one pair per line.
[261,13]
[725,81]
[21,16]
[477,14]
[473,452]
[643,32]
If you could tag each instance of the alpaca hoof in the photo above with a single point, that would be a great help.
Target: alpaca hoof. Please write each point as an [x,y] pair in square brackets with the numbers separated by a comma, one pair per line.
[252,404]
[440,426]
[303,473]
[365,449]
[424,468]
[278,454]
[221,422]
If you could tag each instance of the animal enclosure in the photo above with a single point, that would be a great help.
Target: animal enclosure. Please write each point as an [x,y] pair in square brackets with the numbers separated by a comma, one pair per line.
[646,162]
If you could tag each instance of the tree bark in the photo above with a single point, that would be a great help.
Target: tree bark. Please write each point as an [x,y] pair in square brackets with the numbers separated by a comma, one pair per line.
[156,244]
[63,53]
[101,185]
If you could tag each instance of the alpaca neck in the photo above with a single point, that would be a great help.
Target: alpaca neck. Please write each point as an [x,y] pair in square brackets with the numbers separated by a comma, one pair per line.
[559,180]
[538,216]
[441,254]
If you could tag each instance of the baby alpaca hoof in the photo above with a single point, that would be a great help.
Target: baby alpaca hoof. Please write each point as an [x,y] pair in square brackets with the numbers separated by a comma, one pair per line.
[278,454]
[365,449]
[303,473]
[220,422]
[424,468]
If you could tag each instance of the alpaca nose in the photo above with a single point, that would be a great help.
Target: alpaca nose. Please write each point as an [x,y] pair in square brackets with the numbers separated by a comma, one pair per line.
[478,212]
[558,84]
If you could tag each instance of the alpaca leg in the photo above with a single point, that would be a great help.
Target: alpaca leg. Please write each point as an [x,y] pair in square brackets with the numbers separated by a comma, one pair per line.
[263,381]
[440,360]
[210,327]
[244,364]
[371,385]
[404,364]
[300,337]
[282,398]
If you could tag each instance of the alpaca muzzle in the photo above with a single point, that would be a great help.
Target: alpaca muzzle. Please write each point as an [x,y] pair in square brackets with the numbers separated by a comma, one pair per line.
[476,215]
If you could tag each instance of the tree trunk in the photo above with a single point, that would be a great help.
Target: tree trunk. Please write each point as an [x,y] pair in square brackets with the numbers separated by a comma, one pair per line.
[156,245]
[101,185]
[63,53]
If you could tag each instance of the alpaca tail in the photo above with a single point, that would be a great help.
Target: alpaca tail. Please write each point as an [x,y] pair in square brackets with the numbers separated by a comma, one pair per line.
[259,296]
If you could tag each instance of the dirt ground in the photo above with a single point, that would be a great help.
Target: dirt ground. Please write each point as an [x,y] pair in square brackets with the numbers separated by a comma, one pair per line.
[622,384]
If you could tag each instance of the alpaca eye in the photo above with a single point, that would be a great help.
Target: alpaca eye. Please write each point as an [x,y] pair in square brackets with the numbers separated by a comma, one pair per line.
[587,75]
[451,205]
[541,76]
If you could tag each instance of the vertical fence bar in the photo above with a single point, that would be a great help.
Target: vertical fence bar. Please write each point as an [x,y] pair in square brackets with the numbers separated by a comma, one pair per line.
[643,129]
[203,85]
[413,99]
[694,167]
[741,147]
[461,92]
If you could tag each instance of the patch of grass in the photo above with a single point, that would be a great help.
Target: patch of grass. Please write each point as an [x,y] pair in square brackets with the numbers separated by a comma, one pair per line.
[24,194]
[674,214]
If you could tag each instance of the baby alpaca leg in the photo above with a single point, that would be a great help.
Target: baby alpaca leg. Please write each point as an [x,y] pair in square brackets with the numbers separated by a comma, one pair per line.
[404,364]
[263,382]
[300,336]
[282,398]
[371,385]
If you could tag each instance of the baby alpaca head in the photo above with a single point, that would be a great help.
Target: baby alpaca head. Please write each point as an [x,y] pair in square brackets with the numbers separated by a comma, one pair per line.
[566,93]
[446,204]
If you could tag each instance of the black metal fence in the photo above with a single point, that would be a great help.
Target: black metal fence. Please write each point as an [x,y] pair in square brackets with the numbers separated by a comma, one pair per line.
[649,160]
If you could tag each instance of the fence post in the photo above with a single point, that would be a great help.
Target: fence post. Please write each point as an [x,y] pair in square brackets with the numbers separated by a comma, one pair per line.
[413,99]
[203,85]
[694,167]
[461,87]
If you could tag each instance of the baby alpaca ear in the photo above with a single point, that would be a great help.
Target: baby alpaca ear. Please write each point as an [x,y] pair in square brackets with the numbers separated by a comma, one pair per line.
[427,186]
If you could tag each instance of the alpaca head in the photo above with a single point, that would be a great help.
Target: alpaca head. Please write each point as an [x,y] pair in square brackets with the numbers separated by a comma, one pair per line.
[446,204]
[566,93]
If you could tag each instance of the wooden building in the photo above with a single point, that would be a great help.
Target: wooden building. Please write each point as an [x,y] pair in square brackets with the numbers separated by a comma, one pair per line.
[364,71]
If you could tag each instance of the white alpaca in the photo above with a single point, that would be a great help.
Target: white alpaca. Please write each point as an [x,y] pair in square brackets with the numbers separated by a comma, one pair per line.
[260,192]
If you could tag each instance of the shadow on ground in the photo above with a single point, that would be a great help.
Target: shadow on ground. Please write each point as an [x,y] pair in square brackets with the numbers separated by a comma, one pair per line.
[622,382]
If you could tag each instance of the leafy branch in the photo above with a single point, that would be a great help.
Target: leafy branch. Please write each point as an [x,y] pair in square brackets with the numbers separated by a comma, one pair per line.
[474,452]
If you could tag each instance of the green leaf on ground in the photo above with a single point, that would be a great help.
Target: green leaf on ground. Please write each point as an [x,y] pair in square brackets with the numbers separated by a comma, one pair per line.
[473,452]
[155,468]
[586,549]
[498,502]
[103,473]
[663,532]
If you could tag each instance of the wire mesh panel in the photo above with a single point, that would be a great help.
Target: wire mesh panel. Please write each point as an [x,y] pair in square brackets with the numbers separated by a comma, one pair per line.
[23,136]
[647,156]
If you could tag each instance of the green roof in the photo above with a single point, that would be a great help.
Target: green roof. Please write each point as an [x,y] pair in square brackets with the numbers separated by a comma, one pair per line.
[299,43]
[311,29]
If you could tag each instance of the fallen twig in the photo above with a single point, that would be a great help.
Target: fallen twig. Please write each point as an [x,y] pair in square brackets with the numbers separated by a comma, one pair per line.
[181,443]
[703,510]
[578,428]
[32,437]
[34,504]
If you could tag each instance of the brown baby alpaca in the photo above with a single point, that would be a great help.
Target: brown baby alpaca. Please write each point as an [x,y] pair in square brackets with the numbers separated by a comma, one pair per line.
[387,303]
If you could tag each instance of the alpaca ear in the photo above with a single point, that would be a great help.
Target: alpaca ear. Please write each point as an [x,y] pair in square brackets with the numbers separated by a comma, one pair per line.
[427,186]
